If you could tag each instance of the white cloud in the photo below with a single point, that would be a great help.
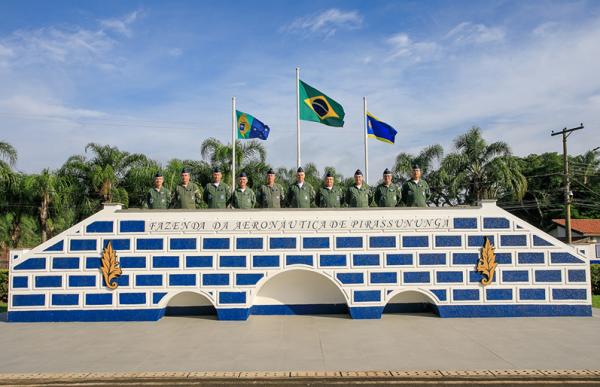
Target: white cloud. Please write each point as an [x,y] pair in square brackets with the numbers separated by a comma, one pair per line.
[327,22]
[403,47]
[121,25]
[469,33]
[175,52]
[27,106]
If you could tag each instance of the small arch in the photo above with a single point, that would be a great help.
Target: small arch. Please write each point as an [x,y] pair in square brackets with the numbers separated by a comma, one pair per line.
[413,300]
[188,303]
[298,291]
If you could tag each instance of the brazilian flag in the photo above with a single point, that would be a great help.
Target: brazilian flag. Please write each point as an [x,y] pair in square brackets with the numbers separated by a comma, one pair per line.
[316,106]
[250,127]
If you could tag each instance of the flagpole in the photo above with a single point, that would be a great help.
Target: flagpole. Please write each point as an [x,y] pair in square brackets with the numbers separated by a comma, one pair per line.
[233,130]
[366,140]
[298,160]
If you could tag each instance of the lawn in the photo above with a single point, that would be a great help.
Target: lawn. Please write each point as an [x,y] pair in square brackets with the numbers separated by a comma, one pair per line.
[596,301]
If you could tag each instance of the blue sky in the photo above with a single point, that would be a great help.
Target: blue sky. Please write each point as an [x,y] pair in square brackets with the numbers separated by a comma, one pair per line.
[158,77]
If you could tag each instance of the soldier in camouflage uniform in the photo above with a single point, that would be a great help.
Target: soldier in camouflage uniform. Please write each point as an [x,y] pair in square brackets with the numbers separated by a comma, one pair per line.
[415,192]
[359,195]
[187,195]
[158,197]
[217,194]
[300,194]
[270,195]
[387,194]
[329,196]
[243,197]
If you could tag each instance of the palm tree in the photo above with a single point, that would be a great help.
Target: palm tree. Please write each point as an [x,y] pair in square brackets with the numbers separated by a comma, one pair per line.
[8,158]
[50,192]
[425,158]
[250,155]
[587,164]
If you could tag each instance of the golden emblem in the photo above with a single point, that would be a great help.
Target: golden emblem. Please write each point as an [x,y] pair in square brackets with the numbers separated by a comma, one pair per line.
[110,267]
[487,263]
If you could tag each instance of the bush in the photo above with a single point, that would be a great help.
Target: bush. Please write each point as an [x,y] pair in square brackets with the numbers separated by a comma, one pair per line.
[595,274]
[4,286]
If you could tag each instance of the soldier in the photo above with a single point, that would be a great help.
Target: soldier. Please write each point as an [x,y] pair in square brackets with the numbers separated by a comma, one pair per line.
[243,197]
[270,195]
[300,194]
[158,197]
[217,194]
[415,191]
[329,196]
[387,193]
[359,195]
[187,194]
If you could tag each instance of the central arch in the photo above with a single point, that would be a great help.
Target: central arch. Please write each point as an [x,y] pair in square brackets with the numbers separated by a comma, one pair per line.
[298,291]
[189,303]
[411,301]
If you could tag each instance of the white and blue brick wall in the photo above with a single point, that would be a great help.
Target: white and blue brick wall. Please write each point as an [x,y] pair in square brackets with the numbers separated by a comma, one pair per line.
[61,281]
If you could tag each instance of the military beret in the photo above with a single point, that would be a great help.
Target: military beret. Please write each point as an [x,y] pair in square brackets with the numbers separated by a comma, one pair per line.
[243,174]
[185,170]
[416,166]
[358,172]
[270,171]
[387,172]
[216,170]
[158,174]
[328,174]
[300,170]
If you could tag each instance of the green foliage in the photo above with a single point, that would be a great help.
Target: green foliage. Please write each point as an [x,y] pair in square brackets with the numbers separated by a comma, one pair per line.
[595,278]
[3,286]
[595,301]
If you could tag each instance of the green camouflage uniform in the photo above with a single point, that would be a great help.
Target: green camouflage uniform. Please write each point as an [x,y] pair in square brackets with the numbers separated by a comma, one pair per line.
[415,194]
[388,196]
[270,197]
[243,199]
[300,197]
[329,198]
[217,197]
[158,199]
[189,197]
[358,197]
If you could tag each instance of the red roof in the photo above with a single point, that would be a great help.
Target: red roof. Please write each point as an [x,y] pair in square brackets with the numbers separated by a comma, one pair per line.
[587,227]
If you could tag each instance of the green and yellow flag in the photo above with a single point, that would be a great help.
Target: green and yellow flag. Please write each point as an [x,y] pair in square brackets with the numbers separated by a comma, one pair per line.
[316,106]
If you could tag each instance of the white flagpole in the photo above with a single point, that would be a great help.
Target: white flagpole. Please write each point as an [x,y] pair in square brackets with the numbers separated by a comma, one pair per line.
[366,140]
[298,159]
[233,136]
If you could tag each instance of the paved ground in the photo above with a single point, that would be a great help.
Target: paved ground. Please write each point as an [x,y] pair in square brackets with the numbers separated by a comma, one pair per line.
[263,343]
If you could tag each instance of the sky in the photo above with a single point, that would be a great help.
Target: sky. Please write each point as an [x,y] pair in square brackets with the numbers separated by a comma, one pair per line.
[157,77]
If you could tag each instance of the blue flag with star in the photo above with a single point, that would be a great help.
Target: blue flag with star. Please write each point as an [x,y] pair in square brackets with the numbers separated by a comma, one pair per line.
[249,127]
[380,130]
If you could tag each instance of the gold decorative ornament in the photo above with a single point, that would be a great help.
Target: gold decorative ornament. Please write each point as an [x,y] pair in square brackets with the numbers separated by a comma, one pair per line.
[487,263]
[110,267]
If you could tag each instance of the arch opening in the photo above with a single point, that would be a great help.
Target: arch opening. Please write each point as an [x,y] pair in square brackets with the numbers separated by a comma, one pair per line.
[411,302]
[299,292]
[190,304]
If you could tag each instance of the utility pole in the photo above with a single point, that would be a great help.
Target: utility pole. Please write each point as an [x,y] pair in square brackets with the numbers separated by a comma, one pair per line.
[568,196]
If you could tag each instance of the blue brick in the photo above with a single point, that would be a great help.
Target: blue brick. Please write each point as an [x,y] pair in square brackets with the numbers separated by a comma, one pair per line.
[249,243]
[515,276]
[94,263]
[265,261]
[156,297]
[132,298]
[569,294]
[148,280]
[165,262]
[48,281]
[417,277]
[475,277]
[198,261]
[299,260]
[149,244]
[496,223]
[449,276]
[132,226]
[132,262]
[99,226]
[384,278]
[548,276]
[182,244]
[32,264]
[348,242]
[65,299]
[504,258]
[328,260]
[28,300]
[513,240]
[530,258]
[532,294]
[365,260]
[282,243]
[232,261]
[65,263]
[76,281]
[367,296]
[399,259]
[122,280]
[465,223]
[20,282]
[350,278]
[247,279]
[83,245]
[99,299]
[440,294]
[465,258]
[232,297]
[118,244]
[499,294]
[315,243]
[432,259]
[215,279]
[58,246]
[479,240]
[382,241]
[415,241]
[215,243]
[564,258]
[448,241]
[465,295]
[576,275]
[182,279]
[537,241]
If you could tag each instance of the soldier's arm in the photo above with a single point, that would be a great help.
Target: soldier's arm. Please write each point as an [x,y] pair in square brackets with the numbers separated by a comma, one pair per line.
[312,197]
[258,197]
[198,196]
[205,195]
[399,198]
[283,197]
[173,203]
[252,199]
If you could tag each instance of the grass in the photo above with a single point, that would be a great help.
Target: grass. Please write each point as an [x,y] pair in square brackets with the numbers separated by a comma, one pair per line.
[3,305]
[596,301]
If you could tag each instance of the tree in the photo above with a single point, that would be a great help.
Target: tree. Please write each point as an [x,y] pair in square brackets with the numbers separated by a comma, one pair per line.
[50,193]
[425,158]
[250,157]
[8,158]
